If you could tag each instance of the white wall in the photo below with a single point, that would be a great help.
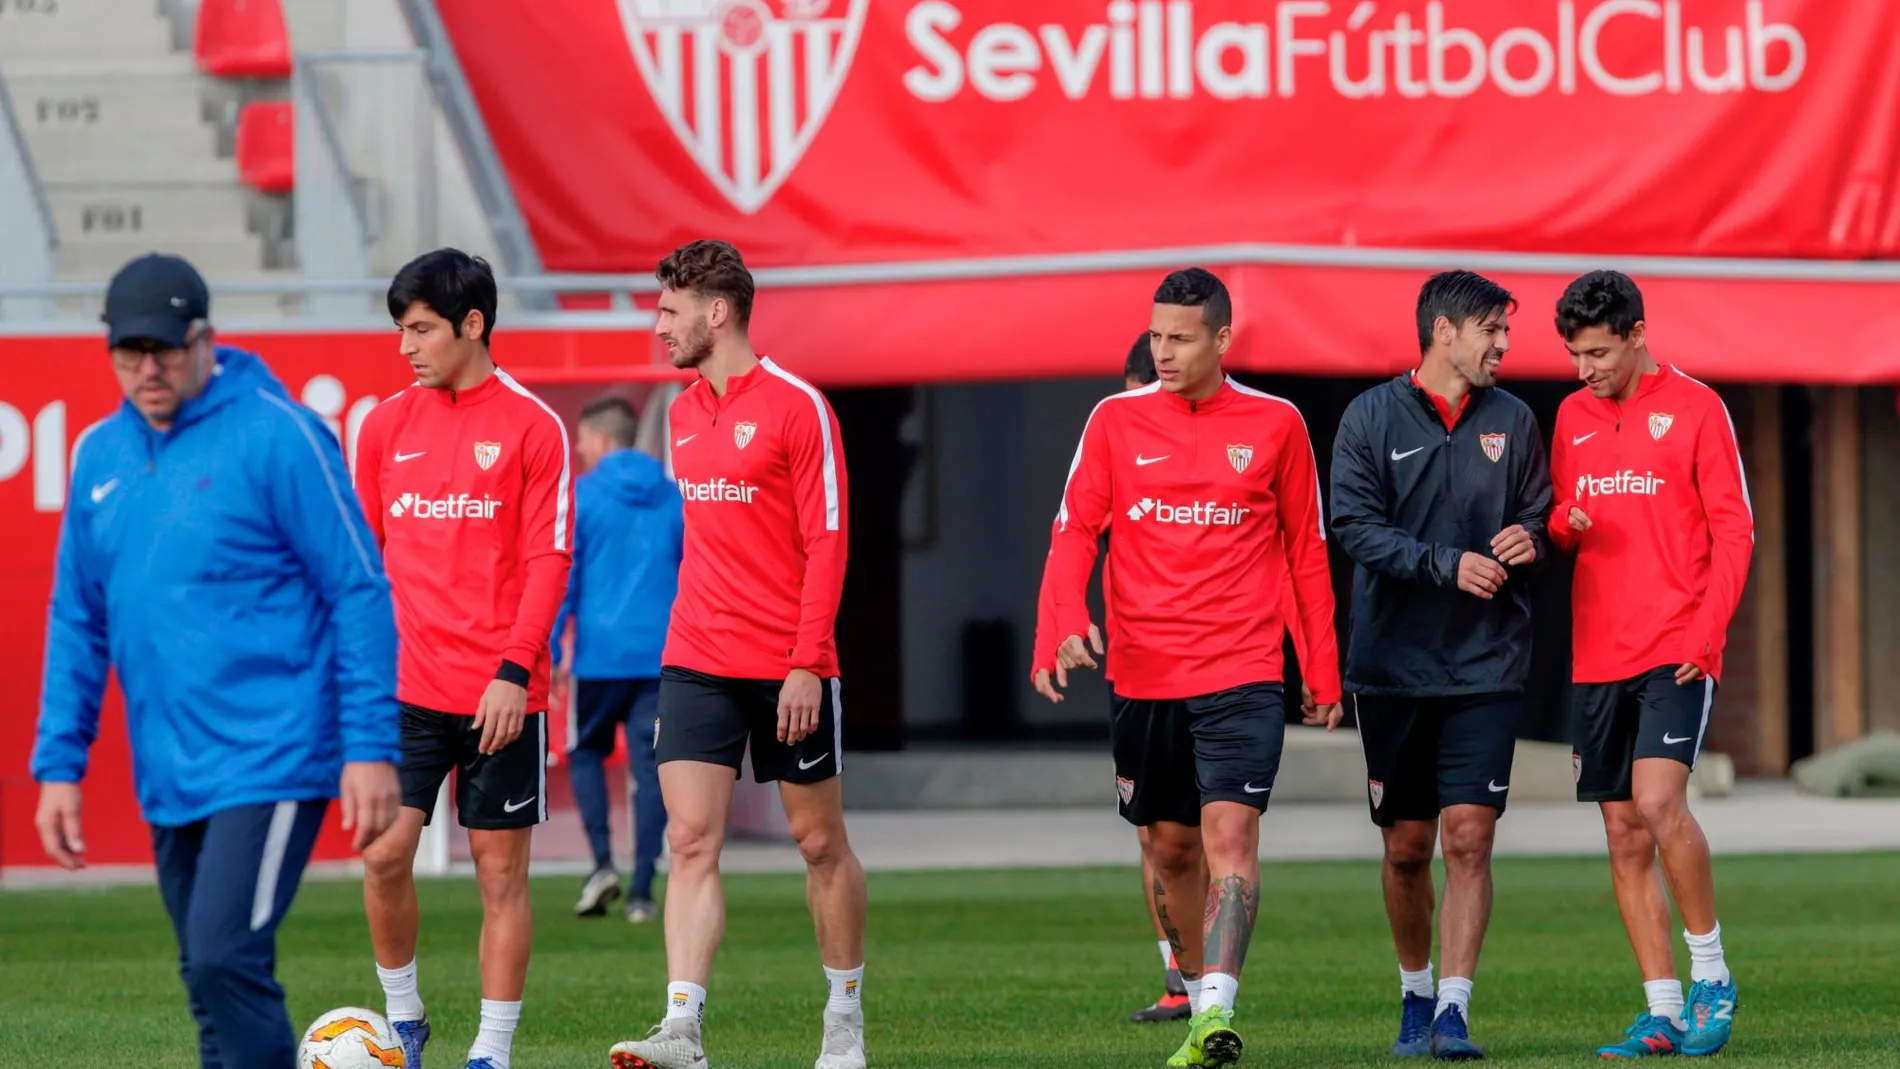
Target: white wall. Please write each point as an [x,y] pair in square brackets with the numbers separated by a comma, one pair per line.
[1002,453]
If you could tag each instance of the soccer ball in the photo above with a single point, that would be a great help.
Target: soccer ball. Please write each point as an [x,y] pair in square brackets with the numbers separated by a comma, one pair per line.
[351,1038]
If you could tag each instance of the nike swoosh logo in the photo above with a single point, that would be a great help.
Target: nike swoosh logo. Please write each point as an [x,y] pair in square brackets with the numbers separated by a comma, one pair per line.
[1495,789]
[1141,461]
[511,807]
[1396,455]
[1582,438]
[1671,740]
[400,457]
[1251,789]
[684,440]
[99,492]
[813,763]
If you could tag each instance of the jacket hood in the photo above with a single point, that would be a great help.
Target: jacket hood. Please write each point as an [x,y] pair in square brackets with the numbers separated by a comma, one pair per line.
[632,477]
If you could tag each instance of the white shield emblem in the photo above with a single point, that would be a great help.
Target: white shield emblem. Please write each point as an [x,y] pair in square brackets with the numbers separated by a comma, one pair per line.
[1126,789]
[486,453]
[1576,766]
[1659,424]
[1493,446]
[742,434]
[1240,456]
[1377,790]
[745,84]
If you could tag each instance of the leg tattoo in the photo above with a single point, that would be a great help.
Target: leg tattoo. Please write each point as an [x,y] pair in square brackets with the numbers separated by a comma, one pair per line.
[1168,927]
[1232,906]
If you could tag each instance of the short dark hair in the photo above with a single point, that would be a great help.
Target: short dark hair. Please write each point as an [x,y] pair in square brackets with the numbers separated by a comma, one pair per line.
[710,269]
[1601,298]
[449,281]
[1196,287]
[1459,296]
[1140,364]
[615,417]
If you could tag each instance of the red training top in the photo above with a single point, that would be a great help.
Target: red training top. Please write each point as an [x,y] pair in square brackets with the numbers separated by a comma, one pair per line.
[1661,568]
[1218,534]
[469,495]
[762,472]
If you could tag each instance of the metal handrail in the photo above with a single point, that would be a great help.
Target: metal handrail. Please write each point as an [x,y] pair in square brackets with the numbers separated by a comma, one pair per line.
[32,172]
[306,90]
[1006,267]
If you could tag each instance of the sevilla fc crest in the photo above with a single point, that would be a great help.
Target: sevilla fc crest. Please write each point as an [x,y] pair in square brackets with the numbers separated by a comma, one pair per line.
[486,453]
[1126,789]
[1493,446]
[745,84]
[1377,791]
[742,433]
[1576,766]
[1240,456]
[1659,424]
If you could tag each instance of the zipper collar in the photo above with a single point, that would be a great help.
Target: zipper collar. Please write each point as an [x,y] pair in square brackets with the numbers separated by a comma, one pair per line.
[474,395]
[1212,403]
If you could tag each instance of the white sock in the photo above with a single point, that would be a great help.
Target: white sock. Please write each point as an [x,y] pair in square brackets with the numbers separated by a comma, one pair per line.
[846,987]
[1705,956]
[1218,989]
[685,1001]
[1665,998]
[1194,993]
[1416,983]
[497,1036]
[1454,991]
[1167,955]
[401,1002]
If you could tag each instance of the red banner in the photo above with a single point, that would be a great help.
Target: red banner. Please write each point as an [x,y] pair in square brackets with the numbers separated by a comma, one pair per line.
[51,390]
[833,131]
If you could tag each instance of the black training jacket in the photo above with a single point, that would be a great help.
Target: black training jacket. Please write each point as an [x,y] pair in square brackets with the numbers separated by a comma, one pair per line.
[1409,498]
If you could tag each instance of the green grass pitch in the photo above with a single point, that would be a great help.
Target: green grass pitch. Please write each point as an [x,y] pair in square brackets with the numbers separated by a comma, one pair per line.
[1017,969]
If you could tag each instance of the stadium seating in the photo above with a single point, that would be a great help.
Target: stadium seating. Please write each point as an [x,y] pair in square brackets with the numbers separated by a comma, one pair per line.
[265,147]
[242,39]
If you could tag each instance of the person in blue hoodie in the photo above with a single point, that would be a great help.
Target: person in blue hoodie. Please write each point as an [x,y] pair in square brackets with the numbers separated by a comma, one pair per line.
[629,532]
[213,554]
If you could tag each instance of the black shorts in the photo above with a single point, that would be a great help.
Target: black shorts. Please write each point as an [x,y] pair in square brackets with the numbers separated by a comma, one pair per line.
[602,705]
[1173,757]
[1616,724]
[1424,754]
[712,718]
[493,792]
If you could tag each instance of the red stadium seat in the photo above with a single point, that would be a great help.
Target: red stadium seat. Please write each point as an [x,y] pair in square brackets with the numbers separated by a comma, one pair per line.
[242,39]
[266,154]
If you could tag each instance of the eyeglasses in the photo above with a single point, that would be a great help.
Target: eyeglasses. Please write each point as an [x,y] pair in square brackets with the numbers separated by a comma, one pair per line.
[166,359]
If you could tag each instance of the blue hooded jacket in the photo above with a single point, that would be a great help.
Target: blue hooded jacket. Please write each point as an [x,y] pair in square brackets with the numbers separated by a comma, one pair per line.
[225,570]
[629,532]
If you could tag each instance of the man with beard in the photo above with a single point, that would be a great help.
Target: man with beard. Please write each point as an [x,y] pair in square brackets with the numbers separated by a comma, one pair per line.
[1440,495]
[750,659]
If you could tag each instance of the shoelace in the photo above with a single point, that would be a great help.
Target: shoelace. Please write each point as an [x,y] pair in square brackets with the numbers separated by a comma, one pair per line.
[1703,998]
[1417,1022]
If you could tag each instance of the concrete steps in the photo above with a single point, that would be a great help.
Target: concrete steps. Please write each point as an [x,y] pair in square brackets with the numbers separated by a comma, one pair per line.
[90,28]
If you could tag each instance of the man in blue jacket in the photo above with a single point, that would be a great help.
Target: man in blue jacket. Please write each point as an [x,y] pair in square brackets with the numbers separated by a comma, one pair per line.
[213,554]
[629,529]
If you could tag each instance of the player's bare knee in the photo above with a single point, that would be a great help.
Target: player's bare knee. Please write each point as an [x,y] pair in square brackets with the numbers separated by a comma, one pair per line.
[1628,836]
[1660,806]
[388,862]
[1408,847]
[1175,855]
[691,842]
[1467,844]
[501,867]
[821,842]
